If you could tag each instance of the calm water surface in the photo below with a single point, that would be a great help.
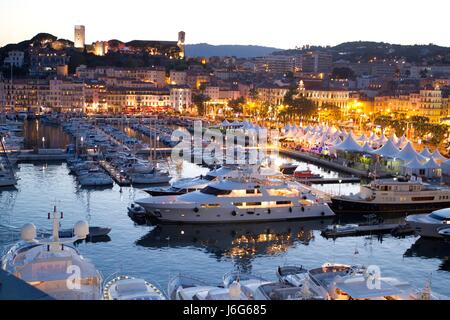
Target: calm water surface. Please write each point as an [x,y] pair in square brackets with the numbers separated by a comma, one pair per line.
[206,252]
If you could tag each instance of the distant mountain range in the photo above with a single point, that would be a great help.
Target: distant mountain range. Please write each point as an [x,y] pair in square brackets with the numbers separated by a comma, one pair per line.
[239,51]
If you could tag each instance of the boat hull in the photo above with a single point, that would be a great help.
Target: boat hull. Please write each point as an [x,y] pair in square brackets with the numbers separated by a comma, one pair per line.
[193,215]
[343,206]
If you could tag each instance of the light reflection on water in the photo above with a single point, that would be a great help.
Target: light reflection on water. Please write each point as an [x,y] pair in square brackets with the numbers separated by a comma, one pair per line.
[209,251]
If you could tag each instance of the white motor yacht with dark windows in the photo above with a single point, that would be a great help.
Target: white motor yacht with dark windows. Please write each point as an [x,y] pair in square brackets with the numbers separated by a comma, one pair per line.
[239,200]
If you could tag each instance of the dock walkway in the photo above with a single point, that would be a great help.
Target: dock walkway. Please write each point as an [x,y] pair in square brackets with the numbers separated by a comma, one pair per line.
[303,156]
[120,179]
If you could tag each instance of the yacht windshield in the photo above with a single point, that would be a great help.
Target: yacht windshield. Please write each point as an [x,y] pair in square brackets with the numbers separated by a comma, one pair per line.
[437,217]
[215,191]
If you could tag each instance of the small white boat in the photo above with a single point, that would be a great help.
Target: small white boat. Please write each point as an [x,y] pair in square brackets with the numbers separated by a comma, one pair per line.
[129,288]
[95,179]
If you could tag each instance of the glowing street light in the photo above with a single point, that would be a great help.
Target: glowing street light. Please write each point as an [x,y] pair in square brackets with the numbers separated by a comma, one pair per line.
[43,142]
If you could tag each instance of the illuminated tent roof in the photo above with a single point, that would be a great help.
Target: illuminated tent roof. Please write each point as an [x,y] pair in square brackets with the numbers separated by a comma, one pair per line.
[373,137]
[408,153]
[431,164]
[438,157]
[426,153]
[414,164]
[367,148]
[403,141]
[382,140]
[349,145]
[362,138]
[395,139]
[389,150]
[446,167]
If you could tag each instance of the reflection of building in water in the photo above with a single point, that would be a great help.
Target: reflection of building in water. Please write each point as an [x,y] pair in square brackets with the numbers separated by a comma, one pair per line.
[431,249]
[240,242]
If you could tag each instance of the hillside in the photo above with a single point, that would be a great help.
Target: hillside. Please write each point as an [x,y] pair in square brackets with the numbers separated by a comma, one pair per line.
[239,51]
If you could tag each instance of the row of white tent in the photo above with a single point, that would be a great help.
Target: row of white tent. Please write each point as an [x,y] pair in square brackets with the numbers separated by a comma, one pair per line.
[246,125]
[331,136]
[401,149]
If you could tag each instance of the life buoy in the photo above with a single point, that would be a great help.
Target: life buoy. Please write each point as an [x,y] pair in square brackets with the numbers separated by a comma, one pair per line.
[196,210]
[323,213]
[234,214]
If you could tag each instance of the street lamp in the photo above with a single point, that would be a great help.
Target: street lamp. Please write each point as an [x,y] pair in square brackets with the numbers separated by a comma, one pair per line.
[43,142]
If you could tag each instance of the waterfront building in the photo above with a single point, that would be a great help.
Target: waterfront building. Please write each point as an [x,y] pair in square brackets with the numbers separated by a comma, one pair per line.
[120,99]
[67,95]
[180,98]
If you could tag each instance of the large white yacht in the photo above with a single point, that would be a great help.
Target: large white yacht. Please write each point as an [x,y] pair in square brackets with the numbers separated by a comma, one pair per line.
[399,195]
[345,282]
[430,225]
[244,199]
[53,265]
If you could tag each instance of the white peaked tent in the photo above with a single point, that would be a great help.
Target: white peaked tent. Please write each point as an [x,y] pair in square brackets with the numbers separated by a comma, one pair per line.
[225,123]
[438,157]
[389,150]
[349,145]
[408,153]
[336,142]
[373,137]
[382,140]
[403,141]
[362,138]
[367,148]
[414,167]
[395,139]
[446,171]
[426,153]
[432,169]
[287,127]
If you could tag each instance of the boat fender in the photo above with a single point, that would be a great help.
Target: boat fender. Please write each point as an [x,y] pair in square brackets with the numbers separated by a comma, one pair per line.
[323,213]
[269,211]
[234,214]
[290,209]
[196,210]
[303,209]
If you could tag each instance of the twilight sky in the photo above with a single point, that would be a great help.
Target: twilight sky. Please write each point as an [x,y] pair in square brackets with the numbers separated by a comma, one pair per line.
[276,23]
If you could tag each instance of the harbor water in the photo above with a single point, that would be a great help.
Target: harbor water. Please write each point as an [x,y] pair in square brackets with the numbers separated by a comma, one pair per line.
[204,251]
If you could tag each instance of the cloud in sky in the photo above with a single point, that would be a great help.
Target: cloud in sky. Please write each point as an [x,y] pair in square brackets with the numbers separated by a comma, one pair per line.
[277,23]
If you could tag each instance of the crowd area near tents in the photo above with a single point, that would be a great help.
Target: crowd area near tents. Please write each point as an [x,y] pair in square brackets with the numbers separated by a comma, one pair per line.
[392,155]
[373,153]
